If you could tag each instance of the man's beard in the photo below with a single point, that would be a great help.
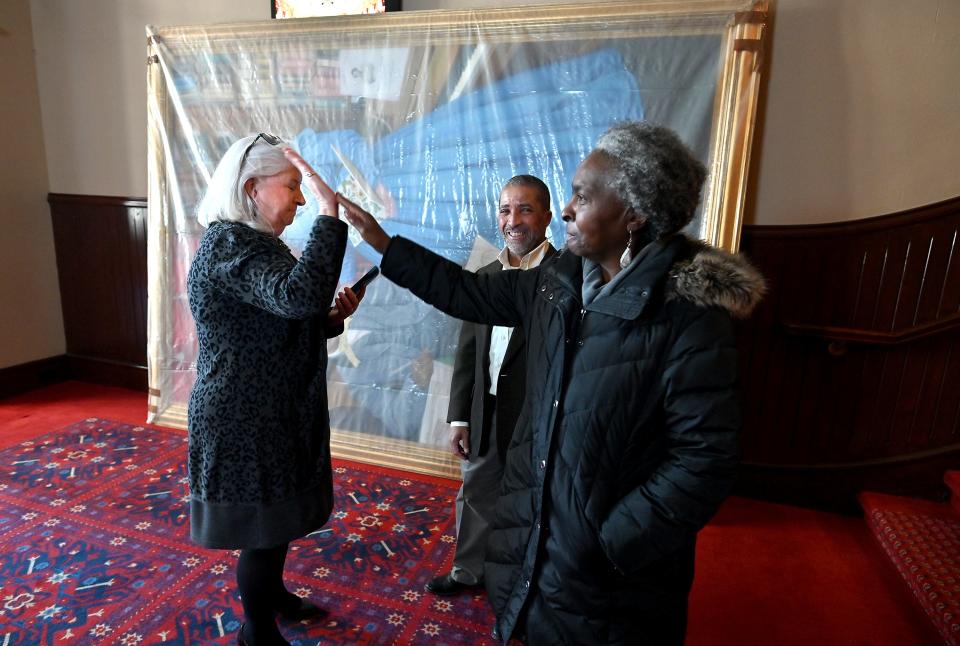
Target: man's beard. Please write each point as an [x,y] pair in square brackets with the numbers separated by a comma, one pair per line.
[521,247]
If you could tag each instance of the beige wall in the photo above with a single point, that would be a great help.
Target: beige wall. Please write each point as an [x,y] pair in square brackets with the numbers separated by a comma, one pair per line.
[862,118]
[92,75]
[91,67]
[31,326]
[863,109]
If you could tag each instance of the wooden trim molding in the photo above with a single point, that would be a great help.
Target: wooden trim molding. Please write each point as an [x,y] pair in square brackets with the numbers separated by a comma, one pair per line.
[949,323]
[105,372]
[834,487]
[24,377]
[97,200]
[395,453]
[914,216]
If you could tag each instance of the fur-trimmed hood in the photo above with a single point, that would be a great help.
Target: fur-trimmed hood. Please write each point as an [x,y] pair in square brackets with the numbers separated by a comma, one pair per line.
[713,277]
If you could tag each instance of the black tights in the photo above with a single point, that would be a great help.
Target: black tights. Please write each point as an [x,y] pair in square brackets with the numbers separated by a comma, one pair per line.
[260,580]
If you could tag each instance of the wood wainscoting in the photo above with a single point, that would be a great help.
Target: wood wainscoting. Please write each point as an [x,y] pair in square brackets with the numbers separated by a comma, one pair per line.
[25,377]
[101,247]
[851,366]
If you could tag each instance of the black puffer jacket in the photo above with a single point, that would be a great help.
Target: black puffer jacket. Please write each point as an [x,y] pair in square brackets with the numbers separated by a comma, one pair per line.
[627,442]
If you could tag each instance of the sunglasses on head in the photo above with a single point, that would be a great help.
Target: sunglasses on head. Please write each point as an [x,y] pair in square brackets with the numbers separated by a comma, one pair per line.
[273,140]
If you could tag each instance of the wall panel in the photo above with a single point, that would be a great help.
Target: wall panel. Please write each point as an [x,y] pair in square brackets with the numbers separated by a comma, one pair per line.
[851,372]
[101,252]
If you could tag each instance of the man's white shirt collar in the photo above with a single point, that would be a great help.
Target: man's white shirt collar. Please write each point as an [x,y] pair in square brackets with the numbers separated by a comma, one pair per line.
[529,261]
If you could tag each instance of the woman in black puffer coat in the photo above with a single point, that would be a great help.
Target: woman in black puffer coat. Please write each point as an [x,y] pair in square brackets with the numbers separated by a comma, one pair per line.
[627,443]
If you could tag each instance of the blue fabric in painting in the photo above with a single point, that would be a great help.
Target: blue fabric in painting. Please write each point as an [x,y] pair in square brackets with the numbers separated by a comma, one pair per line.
[443,174]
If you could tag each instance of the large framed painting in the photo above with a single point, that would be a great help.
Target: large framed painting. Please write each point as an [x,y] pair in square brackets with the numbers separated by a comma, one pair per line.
[421,116]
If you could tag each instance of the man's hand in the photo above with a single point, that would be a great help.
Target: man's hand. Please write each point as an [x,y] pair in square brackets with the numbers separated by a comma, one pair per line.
[460,441]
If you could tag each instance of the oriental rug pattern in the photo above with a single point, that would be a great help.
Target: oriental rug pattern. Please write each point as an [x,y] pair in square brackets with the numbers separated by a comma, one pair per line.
[95,549]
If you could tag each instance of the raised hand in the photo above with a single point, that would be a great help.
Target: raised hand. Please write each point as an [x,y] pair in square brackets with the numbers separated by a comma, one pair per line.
[365,224]
[324,194]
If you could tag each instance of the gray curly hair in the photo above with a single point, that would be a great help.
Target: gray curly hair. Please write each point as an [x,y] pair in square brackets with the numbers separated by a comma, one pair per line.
[654,173]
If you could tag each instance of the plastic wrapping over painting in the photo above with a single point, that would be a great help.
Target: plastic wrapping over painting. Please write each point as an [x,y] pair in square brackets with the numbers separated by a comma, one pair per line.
[421,117]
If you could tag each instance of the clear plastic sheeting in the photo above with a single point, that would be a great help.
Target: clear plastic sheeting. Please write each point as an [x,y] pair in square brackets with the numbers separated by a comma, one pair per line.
[421,117]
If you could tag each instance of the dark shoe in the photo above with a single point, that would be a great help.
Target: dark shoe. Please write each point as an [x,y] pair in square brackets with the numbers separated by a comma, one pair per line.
[446,585]
[301,609]
[495,633]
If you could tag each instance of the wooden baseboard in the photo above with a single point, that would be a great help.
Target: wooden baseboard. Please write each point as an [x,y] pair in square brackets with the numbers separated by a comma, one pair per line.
[106,372]
[24,377]
[835,487]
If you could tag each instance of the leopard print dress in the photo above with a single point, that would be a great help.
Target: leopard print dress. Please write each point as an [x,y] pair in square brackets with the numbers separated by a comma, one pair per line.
[259,438]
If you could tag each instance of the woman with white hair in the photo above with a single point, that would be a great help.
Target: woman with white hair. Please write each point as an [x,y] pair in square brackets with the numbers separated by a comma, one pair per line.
[627,440]
[259,438]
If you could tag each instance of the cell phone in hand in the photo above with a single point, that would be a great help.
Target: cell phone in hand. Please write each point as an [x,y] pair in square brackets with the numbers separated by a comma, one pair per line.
[365,279]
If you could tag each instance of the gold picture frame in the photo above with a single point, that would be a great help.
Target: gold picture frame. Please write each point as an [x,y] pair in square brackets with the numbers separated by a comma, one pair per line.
[208,84]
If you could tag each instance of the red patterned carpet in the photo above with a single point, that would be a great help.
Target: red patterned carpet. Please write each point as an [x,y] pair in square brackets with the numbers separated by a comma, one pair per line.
[95,541]
[766,574]
[922,541]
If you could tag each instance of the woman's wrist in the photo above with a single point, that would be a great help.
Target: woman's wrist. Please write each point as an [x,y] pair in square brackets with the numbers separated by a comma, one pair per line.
[328,210]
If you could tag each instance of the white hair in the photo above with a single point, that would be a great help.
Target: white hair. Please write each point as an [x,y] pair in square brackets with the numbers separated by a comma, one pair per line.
[226,198]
